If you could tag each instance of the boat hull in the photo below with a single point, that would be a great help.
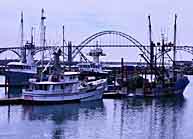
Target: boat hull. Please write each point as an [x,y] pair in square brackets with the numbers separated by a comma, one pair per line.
[64,97]
[176,90]
[18,78]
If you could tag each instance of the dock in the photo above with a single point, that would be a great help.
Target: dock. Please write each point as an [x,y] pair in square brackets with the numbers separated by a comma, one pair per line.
[113,95]
[11,101]
[21,101]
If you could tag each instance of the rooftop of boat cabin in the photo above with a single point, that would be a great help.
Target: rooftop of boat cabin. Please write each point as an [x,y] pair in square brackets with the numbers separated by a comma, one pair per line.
[69,73]
[17,63]
[49,83]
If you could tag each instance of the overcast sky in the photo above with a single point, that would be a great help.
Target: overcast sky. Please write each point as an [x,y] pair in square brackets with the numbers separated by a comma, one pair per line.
[83,18]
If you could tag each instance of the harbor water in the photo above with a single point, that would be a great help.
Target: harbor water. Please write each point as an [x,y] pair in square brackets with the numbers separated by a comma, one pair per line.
[165,118]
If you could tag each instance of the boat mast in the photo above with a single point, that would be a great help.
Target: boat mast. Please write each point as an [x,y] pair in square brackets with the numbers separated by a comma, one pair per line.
[150,31]
[22,35]
[42,33]
[163,67]
[42,37]
[23,53]
[174,48]
[32,38]
[63,42]
[151,47]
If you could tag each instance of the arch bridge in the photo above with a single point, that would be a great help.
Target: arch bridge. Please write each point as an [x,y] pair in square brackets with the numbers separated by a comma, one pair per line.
[92,41]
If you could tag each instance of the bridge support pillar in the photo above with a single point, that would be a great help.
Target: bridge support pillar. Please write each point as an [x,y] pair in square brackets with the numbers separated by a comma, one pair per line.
[23,55]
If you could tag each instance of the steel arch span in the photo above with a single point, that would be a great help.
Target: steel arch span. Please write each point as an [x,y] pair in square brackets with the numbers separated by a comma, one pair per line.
[12,50]
[121,34]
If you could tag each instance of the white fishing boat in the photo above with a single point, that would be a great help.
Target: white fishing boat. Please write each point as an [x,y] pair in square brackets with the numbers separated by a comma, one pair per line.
[63,88]
[94,66]
[91,68]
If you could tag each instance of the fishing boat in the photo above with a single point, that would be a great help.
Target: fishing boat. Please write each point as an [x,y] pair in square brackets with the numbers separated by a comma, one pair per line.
[141,87]
[93,67]
[158,78]
[18,73]
[64,88]
[90,67]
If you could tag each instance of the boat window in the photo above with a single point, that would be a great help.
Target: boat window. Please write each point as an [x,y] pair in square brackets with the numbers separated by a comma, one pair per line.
[72,77]
[15,67]
[45,87]
[56,87]
[62,86]
[41,87]
[33,87]
[37,87]
[26,67]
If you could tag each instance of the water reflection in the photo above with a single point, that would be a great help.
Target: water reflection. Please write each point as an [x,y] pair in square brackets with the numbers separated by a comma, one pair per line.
[120,119]
[15,91]
[60,112]
[169,118]
[151,118]
[62,115]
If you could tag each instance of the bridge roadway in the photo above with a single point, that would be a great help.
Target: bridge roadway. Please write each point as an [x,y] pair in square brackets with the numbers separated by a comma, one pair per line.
[37,49]
[89,46]
[3,63]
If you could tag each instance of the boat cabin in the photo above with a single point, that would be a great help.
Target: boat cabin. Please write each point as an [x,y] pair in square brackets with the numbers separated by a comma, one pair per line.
[66,82]
[18,66]
[90,67]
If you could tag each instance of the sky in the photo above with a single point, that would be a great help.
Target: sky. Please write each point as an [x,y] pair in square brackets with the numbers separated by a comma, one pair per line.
[82,18]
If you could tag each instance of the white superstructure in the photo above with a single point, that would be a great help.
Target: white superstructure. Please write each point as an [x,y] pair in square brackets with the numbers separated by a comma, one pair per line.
[65,87]
[19,67]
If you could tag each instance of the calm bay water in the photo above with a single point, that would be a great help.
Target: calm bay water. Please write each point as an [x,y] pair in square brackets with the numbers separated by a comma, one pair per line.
[169,118]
